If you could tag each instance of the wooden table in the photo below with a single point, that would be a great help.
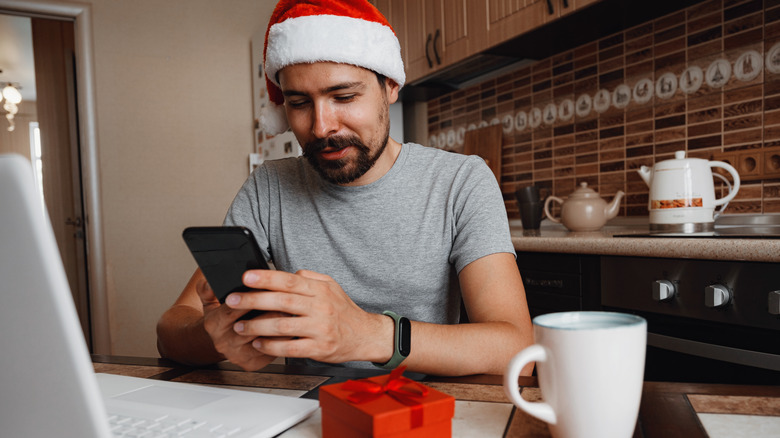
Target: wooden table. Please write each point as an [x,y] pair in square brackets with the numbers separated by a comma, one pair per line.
[667,410]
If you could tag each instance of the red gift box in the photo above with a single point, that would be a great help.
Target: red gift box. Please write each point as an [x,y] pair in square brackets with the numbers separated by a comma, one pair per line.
[385,406]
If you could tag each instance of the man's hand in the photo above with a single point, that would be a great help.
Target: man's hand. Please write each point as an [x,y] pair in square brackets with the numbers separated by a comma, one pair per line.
[218,321]
[311,317]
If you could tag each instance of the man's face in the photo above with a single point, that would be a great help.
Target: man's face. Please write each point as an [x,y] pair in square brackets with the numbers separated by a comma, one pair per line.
[339,113]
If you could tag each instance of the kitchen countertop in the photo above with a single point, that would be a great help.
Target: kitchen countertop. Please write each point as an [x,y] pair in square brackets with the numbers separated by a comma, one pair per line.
[555,238]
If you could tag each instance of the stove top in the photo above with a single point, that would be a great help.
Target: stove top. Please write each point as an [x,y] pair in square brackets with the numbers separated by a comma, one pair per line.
[730,226]
[726,232]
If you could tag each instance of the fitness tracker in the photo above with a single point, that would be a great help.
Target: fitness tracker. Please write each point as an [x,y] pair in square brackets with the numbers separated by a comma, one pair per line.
[402,341]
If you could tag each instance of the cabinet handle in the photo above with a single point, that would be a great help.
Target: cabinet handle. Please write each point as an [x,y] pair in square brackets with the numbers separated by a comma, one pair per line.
[565,3]
[436,52]
[550,7]
[427,55]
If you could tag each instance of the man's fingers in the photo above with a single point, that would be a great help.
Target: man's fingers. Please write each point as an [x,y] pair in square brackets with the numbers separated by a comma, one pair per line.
[314,275]
[280,302]
[286,347]
[302,282]
[280,326]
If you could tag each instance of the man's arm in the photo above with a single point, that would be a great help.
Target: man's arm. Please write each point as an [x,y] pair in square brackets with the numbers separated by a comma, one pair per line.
[198,330]
[329,327]
[500,325]
[180,333]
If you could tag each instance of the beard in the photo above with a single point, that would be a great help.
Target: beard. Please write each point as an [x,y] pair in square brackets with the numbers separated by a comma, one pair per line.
[347,169]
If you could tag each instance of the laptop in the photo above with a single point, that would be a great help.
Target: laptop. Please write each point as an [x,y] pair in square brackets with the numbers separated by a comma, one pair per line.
[48,387]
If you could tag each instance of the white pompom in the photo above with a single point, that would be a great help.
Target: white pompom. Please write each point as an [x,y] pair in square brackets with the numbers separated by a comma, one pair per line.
[273,119]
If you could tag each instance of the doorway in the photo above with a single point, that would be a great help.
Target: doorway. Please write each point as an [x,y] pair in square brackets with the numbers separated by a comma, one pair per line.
[53,46]
[50,129]
[77,129]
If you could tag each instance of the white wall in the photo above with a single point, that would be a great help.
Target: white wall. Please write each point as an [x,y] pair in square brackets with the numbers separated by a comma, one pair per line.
[175,127]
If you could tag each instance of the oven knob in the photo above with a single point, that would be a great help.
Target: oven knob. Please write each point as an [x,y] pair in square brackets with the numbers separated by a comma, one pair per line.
[717,295]
[663,290]
[774,302]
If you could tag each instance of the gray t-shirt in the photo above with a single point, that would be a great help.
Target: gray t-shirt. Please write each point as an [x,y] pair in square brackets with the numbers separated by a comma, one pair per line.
[395,244]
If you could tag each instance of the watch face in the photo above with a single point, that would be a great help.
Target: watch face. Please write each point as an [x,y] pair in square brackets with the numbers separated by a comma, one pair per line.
[404,336]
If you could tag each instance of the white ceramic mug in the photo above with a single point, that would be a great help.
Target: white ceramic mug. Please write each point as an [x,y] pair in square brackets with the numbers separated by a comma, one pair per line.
[590,367]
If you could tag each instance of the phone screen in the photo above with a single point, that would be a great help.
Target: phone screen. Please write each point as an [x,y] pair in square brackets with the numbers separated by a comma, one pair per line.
[223,255]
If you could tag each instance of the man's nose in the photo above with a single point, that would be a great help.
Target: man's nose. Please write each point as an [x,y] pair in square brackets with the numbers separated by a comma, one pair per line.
[325,122]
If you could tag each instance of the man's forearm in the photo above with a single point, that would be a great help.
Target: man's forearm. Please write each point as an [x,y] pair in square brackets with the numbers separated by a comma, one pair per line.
[181,337]
[463,349]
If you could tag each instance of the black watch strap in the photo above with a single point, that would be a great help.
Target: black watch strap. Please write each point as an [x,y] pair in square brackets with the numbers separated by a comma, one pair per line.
[402,341]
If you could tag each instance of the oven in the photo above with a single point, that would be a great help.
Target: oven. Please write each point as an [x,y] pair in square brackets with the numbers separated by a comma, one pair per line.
[708,321]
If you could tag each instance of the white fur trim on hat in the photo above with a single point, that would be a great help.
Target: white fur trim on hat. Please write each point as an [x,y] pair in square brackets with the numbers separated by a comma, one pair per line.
[334,38]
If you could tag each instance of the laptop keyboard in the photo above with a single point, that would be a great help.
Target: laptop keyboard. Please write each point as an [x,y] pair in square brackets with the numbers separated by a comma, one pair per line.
[167,426]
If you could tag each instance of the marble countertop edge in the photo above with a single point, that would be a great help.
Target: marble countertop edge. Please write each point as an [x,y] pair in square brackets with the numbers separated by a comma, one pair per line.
[555,238]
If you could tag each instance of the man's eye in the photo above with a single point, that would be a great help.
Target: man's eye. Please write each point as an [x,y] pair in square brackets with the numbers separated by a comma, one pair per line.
[297,103]
[345,98]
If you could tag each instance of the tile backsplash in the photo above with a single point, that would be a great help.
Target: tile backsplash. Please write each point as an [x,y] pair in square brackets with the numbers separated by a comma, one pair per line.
[705,79]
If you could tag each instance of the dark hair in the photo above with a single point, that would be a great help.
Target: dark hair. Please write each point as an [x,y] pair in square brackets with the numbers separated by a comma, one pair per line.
[381,78]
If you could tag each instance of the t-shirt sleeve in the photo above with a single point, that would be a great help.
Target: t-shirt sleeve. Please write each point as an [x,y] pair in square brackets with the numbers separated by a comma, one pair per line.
[480,217]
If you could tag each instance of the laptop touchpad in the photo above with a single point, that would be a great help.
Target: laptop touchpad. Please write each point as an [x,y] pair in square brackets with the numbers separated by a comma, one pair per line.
[179,398]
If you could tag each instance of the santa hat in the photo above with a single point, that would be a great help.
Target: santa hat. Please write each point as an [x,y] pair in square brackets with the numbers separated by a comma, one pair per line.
[345,31]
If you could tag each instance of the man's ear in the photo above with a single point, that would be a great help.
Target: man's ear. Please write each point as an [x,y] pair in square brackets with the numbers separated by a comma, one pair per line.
[391,88]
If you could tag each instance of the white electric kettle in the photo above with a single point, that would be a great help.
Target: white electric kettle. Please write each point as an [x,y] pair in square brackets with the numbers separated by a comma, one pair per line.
[682,193]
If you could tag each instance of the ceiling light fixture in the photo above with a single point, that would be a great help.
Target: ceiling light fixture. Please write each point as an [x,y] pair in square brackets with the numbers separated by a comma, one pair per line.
[12,98]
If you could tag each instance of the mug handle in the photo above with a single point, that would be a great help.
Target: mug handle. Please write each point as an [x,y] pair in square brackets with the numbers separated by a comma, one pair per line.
[547,207]
[540,410]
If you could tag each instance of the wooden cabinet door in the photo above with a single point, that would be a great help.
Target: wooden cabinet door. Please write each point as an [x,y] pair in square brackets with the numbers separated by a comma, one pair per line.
[440,33]
[454,27]
[420,20]
[509,18]
[566,7]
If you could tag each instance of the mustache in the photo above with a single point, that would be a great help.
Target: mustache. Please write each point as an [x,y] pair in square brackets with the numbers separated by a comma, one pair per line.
[335,143]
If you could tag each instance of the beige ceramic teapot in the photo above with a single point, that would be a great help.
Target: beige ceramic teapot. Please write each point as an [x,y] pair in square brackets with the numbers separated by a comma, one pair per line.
[584,210]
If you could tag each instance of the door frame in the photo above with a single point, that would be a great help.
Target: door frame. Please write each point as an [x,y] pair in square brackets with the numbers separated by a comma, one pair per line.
[81,14]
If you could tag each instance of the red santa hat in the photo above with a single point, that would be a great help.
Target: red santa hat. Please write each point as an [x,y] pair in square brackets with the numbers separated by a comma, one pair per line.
[306,31]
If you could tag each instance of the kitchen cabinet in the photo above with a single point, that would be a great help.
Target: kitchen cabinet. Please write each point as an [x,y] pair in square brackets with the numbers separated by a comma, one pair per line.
[436,34]
[440,33]
[509,18]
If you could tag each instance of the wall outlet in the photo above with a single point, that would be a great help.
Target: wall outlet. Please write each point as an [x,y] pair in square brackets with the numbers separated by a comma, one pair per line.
[772,162]
[752,164]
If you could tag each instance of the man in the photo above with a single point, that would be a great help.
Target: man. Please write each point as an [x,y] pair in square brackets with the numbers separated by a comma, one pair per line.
[365,232]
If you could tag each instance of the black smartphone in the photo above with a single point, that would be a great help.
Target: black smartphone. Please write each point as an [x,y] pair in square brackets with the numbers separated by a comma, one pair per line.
[223,255]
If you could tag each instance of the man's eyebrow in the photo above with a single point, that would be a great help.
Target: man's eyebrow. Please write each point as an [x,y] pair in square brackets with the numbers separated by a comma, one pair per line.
[337,87]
